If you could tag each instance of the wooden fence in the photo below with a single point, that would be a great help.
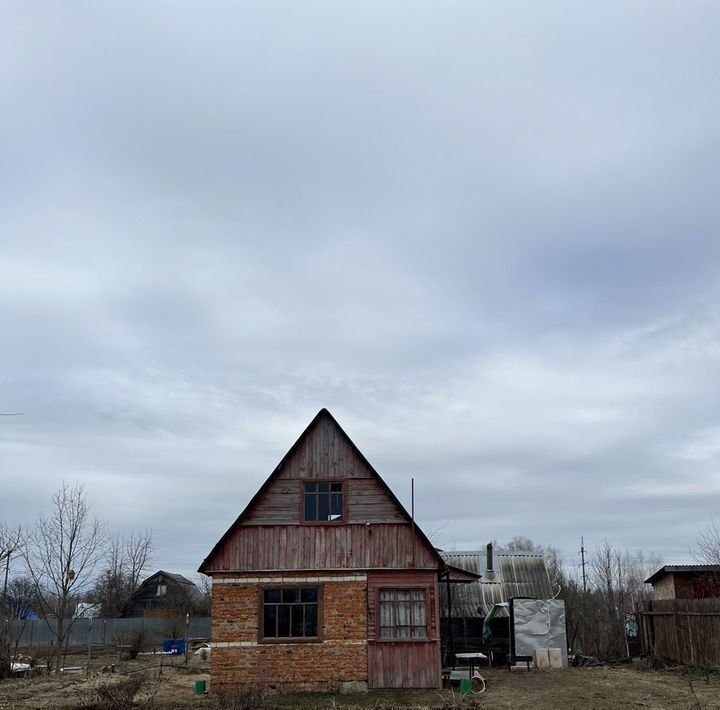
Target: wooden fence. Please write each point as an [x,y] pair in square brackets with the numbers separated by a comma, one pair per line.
[682,630]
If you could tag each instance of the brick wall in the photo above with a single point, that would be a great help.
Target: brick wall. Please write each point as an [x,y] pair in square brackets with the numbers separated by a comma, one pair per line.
[338,662]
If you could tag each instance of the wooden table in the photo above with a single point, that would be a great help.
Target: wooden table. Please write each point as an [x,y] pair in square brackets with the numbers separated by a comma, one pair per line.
[471,657]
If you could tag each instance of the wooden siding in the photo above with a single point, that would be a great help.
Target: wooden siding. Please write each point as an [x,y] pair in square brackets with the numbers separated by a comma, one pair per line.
[322,547]
[281,503]
[376,532]
[324,453]
[404,664]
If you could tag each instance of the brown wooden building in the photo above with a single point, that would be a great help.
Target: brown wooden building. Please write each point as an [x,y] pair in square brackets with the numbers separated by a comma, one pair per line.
[324,582]
[164,595]
[686,582]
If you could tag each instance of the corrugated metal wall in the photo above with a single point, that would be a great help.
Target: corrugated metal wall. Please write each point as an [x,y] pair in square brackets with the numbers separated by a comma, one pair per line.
[103,632]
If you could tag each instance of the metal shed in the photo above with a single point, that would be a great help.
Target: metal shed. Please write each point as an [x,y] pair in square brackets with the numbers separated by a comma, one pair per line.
[464,607]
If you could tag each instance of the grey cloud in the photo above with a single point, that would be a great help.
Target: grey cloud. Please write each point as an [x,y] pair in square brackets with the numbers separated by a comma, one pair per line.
[483,235]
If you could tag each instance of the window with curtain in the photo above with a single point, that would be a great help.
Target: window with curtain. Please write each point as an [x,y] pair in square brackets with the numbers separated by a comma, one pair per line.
[403,614]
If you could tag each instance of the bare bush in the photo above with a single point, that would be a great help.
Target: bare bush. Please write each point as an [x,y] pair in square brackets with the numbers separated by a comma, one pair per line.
[133,691]
[132,642]
[236,699]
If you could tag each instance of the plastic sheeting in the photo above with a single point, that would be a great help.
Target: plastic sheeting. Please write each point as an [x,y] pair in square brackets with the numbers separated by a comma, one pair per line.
[539,624]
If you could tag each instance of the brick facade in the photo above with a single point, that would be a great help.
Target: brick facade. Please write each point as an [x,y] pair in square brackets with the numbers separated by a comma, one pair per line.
[338,662]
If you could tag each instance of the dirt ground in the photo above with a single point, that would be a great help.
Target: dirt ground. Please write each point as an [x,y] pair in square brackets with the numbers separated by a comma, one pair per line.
[171,684]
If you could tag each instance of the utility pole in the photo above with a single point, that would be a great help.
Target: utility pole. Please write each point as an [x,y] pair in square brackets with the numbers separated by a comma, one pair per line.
[583,563]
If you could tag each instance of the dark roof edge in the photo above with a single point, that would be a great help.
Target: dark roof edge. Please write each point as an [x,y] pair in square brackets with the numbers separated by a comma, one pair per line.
[670,569]
[458,574]
[276,470]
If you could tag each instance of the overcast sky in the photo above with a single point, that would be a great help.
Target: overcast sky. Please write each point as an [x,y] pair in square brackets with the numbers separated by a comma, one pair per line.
[483,235]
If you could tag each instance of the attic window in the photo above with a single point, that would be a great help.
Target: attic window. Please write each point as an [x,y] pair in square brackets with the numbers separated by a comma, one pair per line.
[323,502]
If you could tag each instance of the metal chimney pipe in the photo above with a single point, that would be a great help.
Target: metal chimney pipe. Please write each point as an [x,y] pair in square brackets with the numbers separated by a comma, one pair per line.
[490,557]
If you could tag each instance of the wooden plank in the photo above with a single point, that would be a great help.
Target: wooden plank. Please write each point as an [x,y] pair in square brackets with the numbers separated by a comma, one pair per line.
[312,547]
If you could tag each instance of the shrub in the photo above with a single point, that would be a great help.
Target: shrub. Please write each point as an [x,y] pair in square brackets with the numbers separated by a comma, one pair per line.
[236,699]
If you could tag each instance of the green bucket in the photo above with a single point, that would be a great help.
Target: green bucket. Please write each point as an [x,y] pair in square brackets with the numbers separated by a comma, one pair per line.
[465,686]
[200,687]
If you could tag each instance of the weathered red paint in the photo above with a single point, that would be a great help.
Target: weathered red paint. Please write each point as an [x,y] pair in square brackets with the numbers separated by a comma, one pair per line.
[403,664]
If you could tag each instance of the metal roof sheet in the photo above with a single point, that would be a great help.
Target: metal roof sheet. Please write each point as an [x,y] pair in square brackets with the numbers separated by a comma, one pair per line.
[515,574]
[669,569]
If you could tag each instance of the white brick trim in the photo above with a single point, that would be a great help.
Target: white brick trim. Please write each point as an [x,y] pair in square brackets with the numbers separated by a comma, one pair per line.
[246,644]
[280,579]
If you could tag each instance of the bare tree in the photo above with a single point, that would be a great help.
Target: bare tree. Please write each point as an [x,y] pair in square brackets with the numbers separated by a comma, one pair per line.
[125,562]
[20,598]
[616,585]
[707,552]
[61,554]
[553,558]
[11,540]
[204,585]
[707,545]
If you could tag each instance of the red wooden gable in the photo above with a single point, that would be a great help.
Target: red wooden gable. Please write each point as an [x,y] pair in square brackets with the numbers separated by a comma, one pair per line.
[376,532]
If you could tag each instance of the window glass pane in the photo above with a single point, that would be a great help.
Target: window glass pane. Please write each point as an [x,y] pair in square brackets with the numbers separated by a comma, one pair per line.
[308,595]
[296,620]
[269,619]
[386,614]
[323,487]
[310,506]
[336,507]
[402,610]
[290,595]
[283,614]
[310,487]
[402,613]
[311,620]
[336,487]
[323,507]
[272,595]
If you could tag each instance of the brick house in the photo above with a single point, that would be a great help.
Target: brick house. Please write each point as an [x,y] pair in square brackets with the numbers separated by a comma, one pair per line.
[324,582]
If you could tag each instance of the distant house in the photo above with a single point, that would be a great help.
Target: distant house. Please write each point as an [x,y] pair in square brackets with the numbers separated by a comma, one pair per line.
[685,582]
[324,582]
[163,595]
[87,611]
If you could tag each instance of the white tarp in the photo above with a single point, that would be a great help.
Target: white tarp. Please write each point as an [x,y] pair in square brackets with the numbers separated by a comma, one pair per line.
[539,624]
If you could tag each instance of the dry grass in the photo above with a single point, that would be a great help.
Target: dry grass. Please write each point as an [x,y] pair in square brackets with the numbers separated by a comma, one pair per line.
[172,687]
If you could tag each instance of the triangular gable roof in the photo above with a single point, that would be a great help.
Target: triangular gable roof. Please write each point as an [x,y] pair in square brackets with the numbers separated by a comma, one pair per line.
[276,472]
[169,575]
